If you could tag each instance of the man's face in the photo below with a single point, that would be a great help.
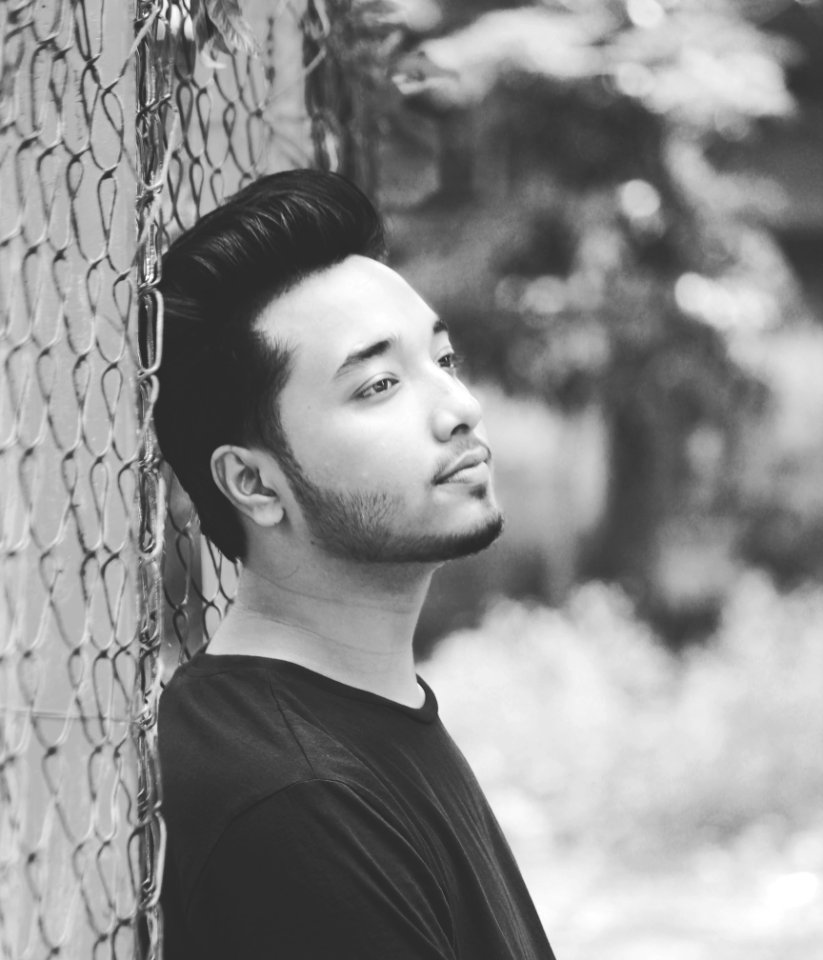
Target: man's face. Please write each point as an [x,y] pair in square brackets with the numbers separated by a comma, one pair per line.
[392,459]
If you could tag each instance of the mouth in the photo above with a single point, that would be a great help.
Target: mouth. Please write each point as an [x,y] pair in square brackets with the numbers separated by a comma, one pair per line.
[471,467]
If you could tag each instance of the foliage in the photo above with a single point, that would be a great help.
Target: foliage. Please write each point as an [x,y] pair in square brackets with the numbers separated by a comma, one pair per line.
[211,25]
[642,249]
[583,238]
[705,64]
[585,731]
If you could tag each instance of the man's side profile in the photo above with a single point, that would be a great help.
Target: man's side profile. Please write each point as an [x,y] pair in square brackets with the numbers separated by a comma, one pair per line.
[310,405]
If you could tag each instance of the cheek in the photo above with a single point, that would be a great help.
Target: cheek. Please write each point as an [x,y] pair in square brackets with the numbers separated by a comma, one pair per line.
[360,458]
[353,449]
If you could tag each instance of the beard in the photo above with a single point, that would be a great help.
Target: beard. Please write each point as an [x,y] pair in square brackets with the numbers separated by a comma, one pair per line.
[363,526]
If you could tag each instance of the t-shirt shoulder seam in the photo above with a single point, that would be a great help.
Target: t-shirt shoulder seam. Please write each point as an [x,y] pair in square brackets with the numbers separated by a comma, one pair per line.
[290,727]
[255,802]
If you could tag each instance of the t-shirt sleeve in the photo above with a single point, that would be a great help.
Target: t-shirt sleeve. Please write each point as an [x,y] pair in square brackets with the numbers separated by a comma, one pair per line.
[318,872]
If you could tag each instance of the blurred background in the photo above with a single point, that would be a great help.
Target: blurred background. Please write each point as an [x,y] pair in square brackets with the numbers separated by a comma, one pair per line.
[617,205]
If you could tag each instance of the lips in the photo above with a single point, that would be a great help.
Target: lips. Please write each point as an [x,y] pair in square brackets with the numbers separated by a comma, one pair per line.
[465,465]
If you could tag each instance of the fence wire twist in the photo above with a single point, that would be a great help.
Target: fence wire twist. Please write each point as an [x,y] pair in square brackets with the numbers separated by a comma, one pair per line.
[115,135]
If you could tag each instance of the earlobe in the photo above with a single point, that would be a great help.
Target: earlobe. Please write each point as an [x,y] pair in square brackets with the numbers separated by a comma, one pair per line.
[238,474]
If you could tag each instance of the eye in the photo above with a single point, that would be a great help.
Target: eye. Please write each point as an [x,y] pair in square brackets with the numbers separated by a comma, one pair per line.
[450,361]
[383,385]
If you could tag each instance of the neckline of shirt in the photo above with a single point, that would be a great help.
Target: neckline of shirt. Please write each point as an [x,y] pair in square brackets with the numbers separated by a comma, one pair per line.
[204,662]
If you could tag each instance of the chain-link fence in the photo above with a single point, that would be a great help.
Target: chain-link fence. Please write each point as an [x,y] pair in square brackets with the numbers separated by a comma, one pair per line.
[115,134]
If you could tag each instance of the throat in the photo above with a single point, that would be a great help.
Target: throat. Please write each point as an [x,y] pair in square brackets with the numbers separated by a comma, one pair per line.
[361,644]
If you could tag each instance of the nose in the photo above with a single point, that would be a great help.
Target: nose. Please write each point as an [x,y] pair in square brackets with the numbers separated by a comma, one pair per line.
[457,410]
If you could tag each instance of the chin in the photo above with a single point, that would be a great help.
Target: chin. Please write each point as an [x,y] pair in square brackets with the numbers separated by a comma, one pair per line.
[440,547]
[367,527]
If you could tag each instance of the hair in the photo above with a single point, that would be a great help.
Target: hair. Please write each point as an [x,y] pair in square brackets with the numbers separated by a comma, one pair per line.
[220,378]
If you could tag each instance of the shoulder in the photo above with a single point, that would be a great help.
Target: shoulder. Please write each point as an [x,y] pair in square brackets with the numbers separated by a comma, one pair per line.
[325,859]
[327,815]
[226,744]
[218,726]
[317,833]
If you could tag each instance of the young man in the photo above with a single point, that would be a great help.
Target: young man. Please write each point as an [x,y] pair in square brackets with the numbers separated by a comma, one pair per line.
[309,403]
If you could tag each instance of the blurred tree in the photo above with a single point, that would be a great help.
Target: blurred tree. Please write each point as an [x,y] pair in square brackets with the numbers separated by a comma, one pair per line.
[551,174]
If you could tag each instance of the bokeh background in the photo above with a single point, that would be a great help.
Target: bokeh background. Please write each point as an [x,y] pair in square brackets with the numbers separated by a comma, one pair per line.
[617,205]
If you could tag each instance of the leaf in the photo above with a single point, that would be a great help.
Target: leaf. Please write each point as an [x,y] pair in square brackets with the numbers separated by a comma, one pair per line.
[220,25]
[232,28]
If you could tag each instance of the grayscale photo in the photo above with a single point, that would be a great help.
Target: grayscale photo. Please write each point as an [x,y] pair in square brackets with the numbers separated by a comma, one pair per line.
[411,479]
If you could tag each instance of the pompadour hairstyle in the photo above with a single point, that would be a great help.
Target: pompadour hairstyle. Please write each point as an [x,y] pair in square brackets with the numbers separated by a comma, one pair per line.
[219,379]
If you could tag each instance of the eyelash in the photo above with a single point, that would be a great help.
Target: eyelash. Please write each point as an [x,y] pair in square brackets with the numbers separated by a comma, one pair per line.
[369,391]
[451,364]
[453,358]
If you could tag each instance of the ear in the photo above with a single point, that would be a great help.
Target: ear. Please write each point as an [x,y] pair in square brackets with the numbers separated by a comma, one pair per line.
[245,478]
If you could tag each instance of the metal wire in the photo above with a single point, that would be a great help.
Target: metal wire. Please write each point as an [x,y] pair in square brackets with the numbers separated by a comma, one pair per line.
[106,149]
[68,613]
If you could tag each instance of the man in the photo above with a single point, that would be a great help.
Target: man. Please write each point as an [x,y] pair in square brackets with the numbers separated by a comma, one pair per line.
[309,403]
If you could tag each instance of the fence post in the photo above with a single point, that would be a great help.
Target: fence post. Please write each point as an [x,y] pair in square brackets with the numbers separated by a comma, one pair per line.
[154,57]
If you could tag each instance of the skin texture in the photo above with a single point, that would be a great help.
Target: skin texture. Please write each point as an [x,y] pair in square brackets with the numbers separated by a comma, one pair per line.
[341,550]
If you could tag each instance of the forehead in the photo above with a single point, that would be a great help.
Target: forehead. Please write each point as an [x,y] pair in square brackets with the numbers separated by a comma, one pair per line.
[345,307]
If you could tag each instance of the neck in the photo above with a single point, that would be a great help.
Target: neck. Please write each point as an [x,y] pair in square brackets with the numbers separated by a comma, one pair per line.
[353,623]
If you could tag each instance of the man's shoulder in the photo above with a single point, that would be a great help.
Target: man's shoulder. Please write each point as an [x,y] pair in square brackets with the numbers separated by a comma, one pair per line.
[227,722]
[229,739]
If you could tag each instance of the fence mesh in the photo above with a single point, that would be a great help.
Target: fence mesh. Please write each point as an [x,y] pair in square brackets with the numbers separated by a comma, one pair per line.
[115,134]
[68,784]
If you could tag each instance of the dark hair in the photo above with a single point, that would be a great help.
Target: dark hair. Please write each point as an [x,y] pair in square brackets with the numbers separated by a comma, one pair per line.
[219,379]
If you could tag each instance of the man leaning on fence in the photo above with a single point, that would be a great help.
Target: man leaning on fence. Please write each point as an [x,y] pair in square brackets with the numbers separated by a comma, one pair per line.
[310,405]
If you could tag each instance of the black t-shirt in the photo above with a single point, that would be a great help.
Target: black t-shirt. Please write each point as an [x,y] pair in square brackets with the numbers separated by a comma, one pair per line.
[310,820]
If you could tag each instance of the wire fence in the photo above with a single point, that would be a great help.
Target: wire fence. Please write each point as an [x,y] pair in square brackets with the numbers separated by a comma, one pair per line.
[114,135]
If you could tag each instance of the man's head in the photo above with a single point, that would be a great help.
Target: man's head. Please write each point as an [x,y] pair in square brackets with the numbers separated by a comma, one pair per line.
[305,387]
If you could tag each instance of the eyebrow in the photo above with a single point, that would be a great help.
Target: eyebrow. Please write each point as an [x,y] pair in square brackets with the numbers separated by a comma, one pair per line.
[378,348]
